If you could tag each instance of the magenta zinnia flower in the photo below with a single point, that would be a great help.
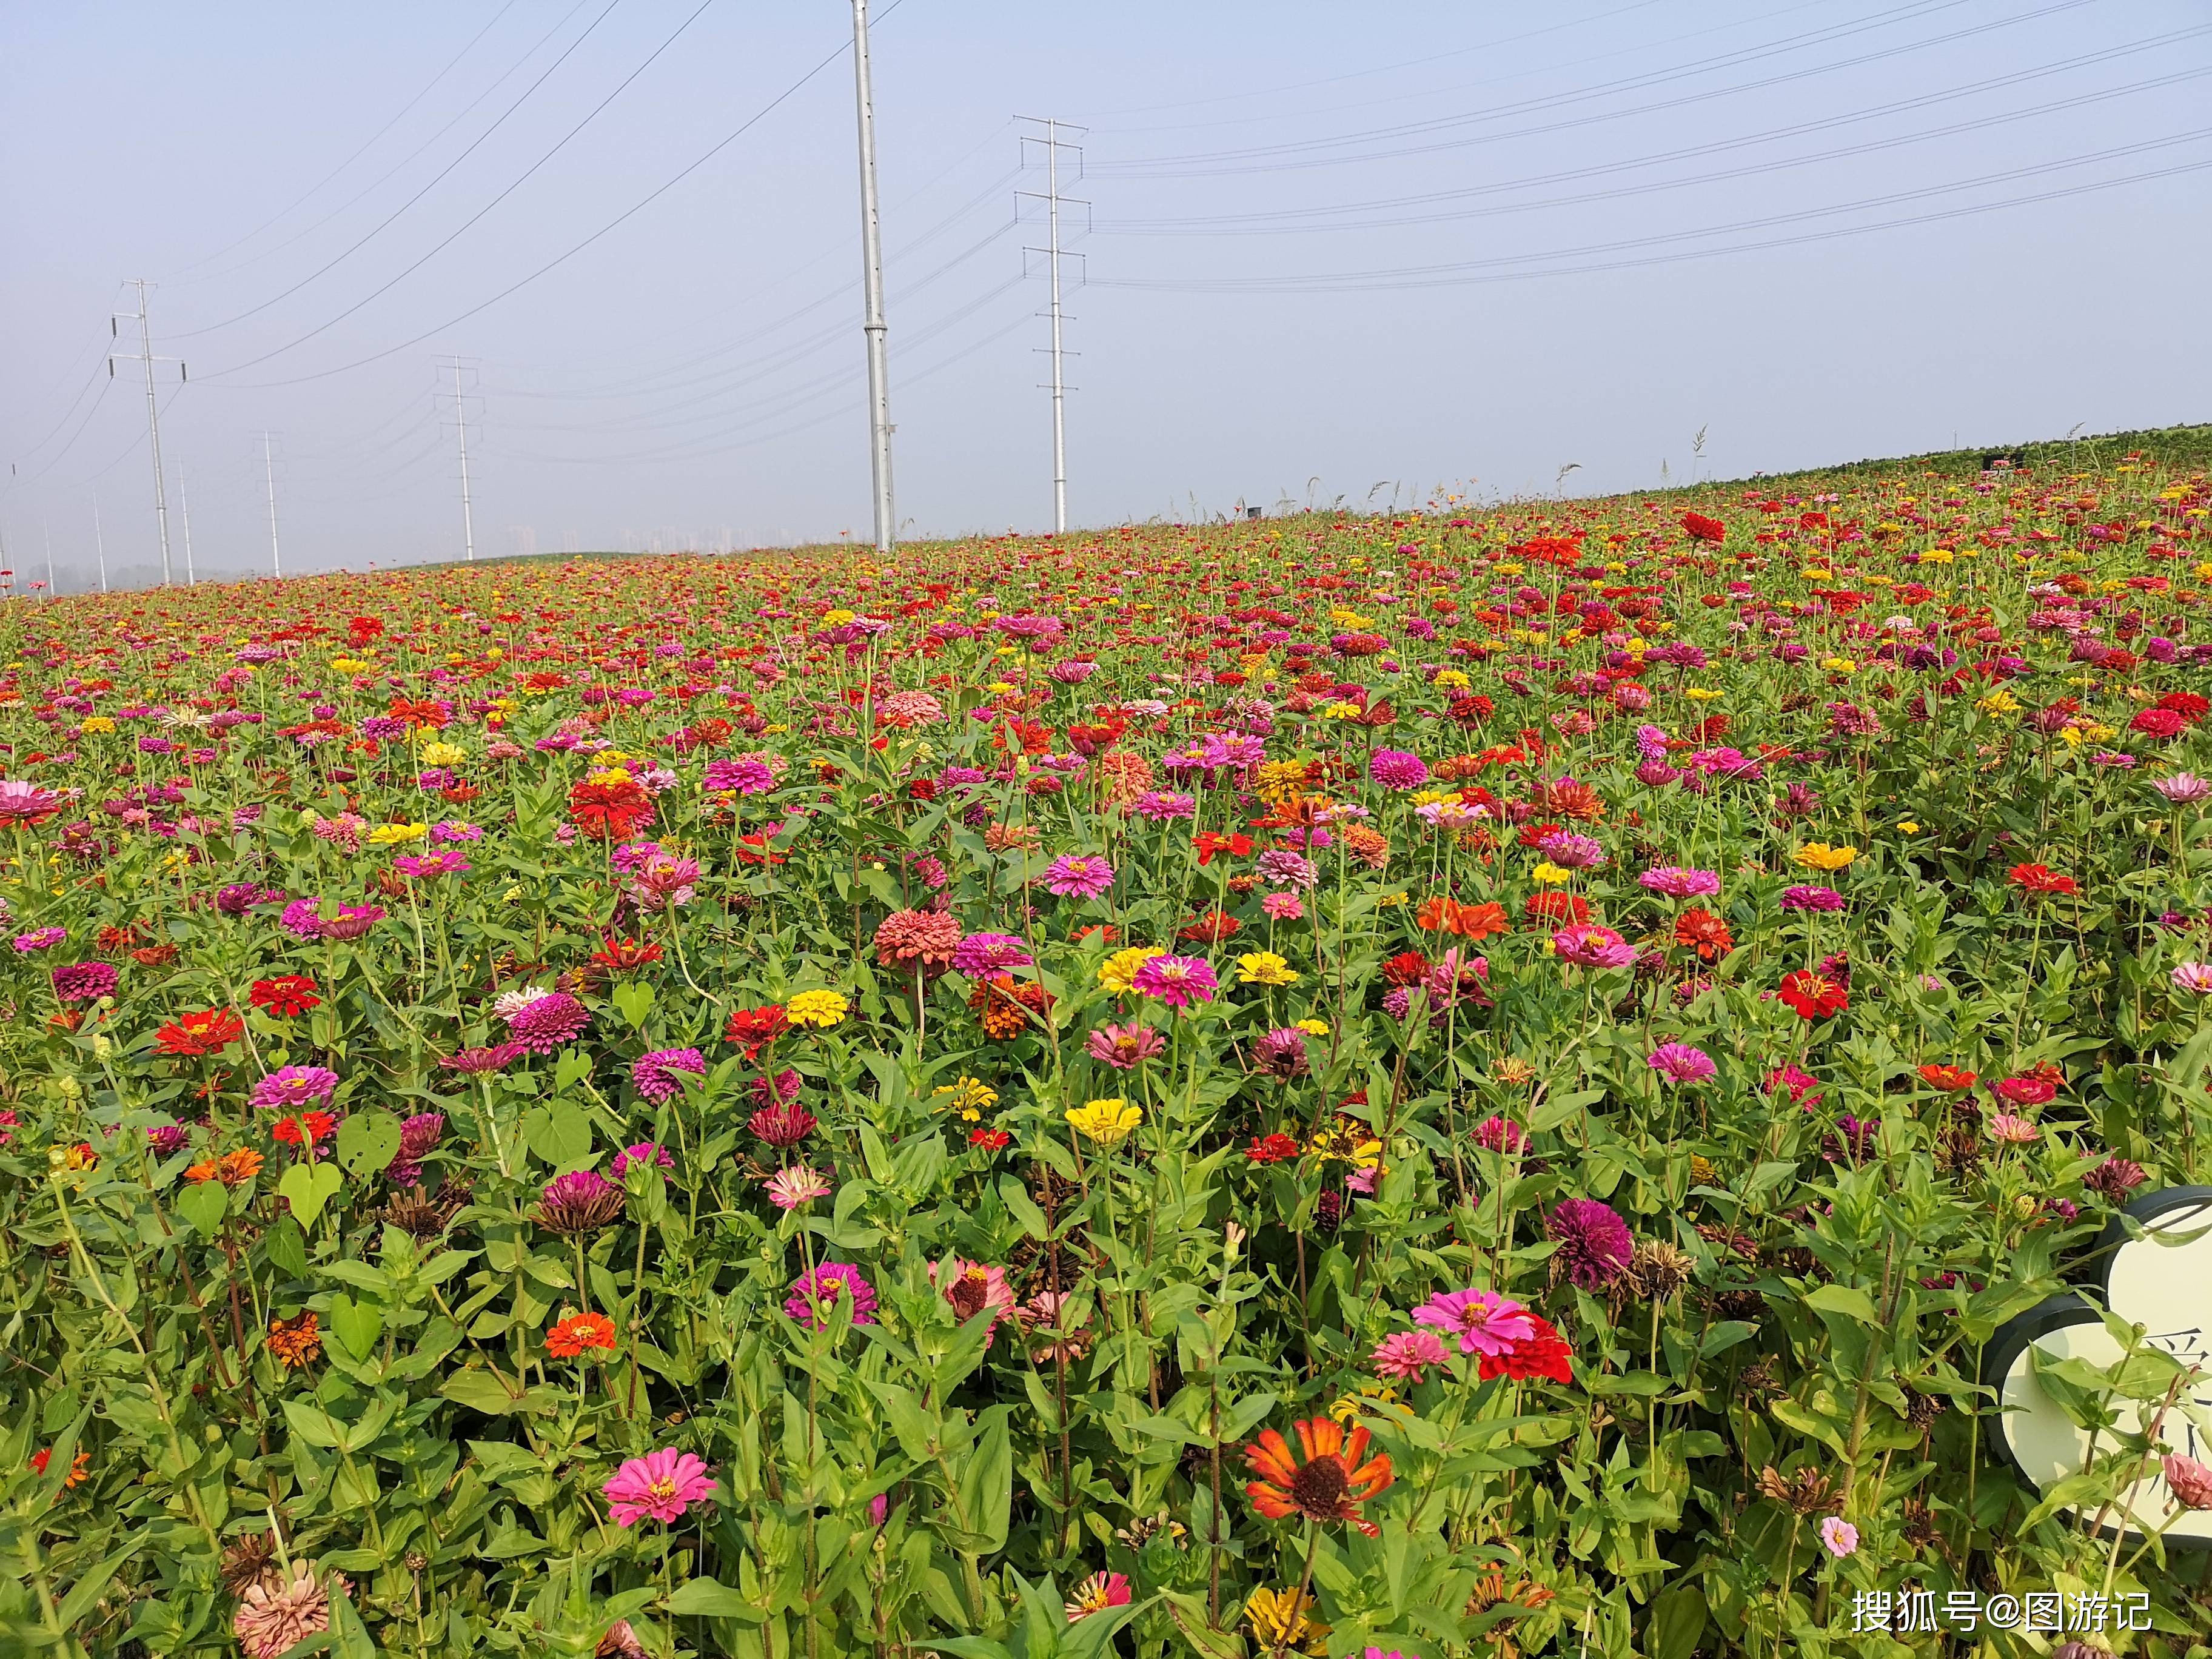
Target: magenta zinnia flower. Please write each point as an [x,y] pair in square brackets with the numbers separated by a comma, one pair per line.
[1176,981]
[1483,1320]
[982,955]
[646,1155]
[656,1074]
[657,1487]
[1079,875]
[85,981]
[474,1062]
[290,1087]
[814,1294]
[1595,1244]
[1679,1062]
[1811,898]
[1397,769]
[544,1022]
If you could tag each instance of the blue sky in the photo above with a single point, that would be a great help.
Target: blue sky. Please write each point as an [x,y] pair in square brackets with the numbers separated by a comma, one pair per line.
[1328,248]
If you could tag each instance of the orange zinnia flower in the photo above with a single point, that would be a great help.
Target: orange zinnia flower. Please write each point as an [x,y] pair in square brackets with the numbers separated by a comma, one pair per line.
[1704,932]
[298,1341]
[571,1336]
[1324,1480]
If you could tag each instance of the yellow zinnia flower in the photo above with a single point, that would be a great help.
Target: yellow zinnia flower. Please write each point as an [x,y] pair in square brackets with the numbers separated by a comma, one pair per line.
[969,1096]
[1264,968]
[1119,970]
[1279,1619]
[1819,855]
[819,1008]
[1545,871]
[443,754]
[1106,1122]
[392,835]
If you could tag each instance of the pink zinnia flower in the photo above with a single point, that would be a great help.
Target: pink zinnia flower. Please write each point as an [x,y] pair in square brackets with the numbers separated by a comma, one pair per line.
[2182,788]
[1679,1062]
[2194,977]
[1501,1134]
[1675,881]
[1096,1593]
[1124,1046]
[1592,947]
[800,1184]
[657,1487]
[1840,1537]
[1176,981]
[646,1155]
[1282,906]
[1079,875]
[1483,1321]
[2011,1129]
[2189,1480]
[1407,1356]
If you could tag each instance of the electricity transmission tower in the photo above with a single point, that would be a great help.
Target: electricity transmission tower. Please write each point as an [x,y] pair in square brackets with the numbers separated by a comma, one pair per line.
[145,355]
[461,419]
[871,258]
[1053,200]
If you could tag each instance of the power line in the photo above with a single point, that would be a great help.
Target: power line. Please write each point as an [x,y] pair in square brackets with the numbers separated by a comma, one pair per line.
[1270,223]
[356,156]
[1444,276]
[559,259]
[378,229]
[1301,154]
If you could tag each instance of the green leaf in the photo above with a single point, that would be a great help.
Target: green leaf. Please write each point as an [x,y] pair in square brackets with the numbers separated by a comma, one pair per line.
[1845,1299]
[561,1135]
[204,1205]
[88,1590]
[355,1325]
[308,1188]
[633,1000]
[986,1485]
[1678,1619]
[368,1141]
[705,1598]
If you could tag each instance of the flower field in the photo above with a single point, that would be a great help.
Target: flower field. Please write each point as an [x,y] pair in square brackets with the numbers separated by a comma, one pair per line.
[1476,1082]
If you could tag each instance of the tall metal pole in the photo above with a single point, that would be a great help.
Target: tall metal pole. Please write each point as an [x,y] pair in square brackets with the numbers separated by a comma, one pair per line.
[1058,427]
[98,542]
[871,254]
[269,465]
[49,535]
[468,522]
[154,425]
[184,508]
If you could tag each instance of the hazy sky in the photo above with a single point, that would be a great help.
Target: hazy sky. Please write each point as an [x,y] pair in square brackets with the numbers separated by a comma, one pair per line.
[1327,245]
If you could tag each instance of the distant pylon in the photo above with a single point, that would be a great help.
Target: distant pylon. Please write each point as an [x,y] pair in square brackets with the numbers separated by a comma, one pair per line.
[1054,144]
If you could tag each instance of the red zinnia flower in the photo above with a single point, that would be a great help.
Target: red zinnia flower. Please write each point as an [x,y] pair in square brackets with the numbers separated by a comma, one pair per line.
[1407,967]
[1554,908]
[1271,1149]
[611,809]
[205,1033]
[313,1126]
[755,1028]
[1702,931]
[1211,842]
[1814,996]
[1545,1353]
[1951,1079]
[2040,878]
[287,996]
[571,1336]
[991,1140]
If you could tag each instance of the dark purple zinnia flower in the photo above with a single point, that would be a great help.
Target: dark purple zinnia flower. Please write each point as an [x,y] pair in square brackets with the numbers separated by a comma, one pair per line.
[1596,1246]
[166,1138]
[581,1201]
[782,1126]
[473,1062]
[418,1137]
